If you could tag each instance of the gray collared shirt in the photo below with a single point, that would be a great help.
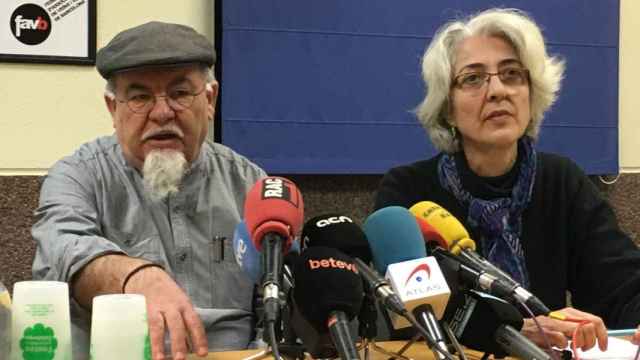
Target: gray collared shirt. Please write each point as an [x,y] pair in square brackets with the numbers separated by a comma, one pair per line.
[93,203]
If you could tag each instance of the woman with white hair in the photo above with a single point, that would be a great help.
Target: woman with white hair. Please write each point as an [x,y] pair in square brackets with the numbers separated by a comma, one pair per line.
[535,215]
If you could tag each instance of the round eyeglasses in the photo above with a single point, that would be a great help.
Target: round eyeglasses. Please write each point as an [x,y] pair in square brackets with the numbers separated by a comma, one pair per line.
[476,80]
[177,99]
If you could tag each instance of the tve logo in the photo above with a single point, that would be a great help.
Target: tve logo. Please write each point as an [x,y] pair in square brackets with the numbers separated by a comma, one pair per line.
[241,249]
[30,24]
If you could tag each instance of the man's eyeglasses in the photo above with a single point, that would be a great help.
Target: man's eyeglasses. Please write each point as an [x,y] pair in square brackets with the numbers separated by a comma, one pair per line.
[476,80]
[177,99]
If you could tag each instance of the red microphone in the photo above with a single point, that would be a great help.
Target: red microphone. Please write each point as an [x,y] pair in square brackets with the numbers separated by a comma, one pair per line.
[430,234]
[273,205]
[273,212]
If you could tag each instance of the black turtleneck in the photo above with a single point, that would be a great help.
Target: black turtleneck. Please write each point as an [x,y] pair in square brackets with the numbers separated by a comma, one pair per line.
[570,236]
[487,187]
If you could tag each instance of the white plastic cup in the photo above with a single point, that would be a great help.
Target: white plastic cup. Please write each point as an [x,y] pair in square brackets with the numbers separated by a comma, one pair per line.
[40,325]
[5,321]
[119,328]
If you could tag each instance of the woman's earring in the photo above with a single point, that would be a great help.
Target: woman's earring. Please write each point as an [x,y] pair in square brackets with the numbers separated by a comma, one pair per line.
[453,131]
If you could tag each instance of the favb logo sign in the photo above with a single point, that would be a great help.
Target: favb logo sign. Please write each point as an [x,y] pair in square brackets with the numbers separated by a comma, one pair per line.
[30,24]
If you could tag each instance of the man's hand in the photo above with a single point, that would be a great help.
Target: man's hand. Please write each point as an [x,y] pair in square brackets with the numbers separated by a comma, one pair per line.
[559,332]
[636,337]
[168,309]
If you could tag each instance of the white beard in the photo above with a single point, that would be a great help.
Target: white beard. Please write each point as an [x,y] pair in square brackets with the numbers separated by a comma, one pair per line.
[162,173]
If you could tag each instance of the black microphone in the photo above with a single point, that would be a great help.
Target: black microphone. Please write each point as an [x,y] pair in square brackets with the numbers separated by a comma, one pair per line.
[469,275]
[328,293]
[489,324]
[453,233]
[336,231]
[340,232]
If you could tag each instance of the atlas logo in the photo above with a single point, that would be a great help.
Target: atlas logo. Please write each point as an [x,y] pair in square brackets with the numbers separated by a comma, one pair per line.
[333,220]
[331,263]
[30,24]
[419,268]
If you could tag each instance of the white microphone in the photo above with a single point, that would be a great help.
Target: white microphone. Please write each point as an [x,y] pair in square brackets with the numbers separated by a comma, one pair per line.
[422,288]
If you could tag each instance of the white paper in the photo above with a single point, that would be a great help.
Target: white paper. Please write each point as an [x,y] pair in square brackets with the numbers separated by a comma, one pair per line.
[617,349]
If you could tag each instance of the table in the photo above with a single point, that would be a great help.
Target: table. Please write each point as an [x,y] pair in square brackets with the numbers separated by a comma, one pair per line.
[418,351]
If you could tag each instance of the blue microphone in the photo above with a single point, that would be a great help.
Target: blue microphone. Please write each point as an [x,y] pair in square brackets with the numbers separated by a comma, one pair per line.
[399,251]
[248,257]
[245,253]
[394,236]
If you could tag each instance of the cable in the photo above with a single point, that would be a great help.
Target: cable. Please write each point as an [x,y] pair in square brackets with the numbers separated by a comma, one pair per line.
[609,182]
[430,341]
[540,330]
[271,328]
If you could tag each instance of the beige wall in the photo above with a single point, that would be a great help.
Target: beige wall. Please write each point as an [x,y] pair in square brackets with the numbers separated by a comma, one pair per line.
[629,80]
[49,110]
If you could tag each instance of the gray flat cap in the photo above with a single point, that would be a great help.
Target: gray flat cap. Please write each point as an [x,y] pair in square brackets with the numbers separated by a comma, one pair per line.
[154,44]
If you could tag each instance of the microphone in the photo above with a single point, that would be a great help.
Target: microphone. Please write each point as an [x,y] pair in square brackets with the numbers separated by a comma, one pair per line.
[340,232]
[459,243]
[399,250]
[336,231]
[245,253]
[430,234]
[328,294]
[273,211]
[249,259]
[489,324]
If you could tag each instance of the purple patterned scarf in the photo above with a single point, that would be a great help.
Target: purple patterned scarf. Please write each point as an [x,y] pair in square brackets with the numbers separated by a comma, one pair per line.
[499,221]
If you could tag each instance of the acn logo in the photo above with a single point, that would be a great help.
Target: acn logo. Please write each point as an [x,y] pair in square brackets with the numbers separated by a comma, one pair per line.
[30,24]
[333,220]
[416,270]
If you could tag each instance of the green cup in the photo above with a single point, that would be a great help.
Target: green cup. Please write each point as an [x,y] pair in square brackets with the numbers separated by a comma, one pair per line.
[41,326]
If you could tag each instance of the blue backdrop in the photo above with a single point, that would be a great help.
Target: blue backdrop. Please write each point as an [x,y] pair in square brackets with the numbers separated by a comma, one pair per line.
[329,86]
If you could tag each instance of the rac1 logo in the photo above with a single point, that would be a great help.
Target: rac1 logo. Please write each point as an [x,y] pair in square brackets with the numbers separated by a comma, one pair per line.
[333,220]
[30,24]
[279,188]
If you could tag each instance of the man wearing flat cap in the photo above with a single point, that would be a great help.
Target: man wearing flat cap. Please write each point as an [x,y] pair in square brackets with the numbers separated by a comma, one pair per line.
[152,209]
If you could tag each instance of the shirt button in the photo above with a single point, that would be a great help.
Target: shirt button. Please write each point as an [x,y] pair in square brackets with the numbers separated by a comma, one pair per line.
[182,257]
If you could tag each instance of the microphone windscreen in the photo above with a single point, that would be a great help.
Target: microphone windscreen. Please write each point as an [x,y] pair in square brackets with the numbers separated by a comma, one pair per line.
[394,236]
[338,232]
[447,225]
[326,280]
[245,253]
[430,234]
[248,258]
[273,204]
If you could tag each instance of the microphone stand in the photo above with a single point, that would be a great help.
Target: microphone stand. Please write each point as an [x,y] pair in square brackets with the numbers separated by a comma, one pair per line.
[368,330]
[454,340]
[289,348]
